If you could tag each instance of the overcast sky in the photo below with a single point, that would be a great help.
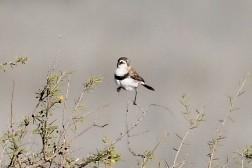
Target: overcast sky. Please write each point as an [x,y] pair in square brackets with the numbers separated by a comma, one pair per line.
[200,48]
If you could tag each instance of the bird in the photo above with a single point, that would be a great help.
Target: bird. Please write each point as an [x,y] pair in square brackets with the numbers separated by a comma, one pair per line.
[127,77]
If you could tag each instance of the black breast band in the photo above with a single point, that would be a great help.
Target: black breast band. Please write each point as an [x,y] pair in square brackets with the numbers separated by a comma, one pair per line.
[121,77]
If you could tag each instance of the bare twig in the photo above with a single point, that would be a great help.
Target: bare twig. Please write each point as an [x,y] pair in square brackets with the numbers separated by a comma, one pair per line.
[128,136]
[65,100]
[58,52]
[193,124]
[179,149]
[214,143]
[11,111]
[85,130]
[228,160]
[242,161]
[144,112]
[139,120]
[2,154]
[147,154]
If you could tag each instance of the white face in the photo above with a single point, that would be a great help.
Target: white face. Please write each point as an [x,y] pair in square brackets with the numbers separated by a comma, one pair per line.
[122,64]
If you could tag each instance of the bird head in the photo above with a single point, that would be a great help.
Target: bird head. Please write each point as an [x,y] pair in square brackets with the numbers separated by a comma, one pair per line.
[123,62]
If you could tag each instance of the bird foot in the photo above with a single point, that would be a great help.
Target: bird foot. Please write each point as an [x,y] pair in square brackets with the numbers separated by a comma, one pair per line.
[118,89]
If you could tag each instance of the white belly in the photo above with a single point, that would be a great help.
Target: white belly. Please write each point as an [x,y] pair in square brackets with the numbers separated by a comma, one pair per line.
[128,83]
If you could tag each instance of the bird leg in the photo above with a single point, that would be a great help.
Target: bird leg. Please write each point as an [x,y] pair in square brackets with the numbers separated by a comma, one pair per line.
[118,89]
[134,102]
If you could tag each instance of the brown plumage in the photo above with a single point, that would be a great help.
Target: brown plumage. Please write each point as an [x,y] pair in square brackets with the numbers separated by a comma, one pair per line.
[134,75]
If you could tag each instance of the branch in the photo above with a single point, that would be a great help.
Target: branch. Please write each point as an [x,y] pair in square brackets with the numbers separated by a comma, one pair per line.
[216,140]
[18,61]
[11,111]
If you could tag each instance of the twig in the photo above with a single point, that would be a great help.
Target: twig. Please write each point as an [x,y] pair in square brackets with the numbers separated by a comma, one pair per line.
[193,123]
[11,115]
[85,130]
[144,112]
[229,160]
[242,162]
[58,52]
[65,100]
[2,154]
[179,148]
[128,136]
[139,120]
[63,136]
[42,98]
[18,61]
[133,125]
[215,142]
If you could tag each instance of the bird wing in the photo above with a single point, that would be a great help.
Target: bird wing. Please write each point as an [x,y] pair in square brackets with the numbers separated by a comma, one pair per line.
[134,75]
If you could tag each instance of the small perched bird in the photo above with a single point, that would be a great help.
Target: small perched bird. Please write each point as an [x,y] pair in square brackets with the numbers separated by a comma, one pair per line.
[127,78]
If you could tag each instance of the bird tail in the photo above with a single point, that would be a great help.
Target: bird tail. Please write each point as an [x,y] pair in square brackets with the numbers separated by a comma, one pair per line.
[148,87]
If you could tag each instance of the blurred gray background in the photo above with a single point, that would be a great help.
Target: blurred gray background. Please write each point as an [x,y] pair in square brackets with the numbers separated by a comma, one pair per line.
[200,48]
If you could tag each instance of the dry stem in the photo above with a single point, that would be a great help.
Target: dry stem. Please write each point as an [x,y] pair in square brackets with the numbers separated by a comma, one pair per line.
[219,136]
